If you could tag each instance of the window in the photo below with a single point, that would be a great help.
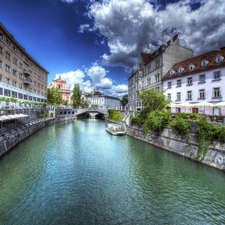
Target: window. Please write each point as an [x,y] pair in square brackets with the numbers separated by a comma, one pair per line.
[216,75]
[169,85]
[149,69]
[20,96]
[180,69]
[21,65]
[14,49]
[178,96]
[7,68]
[189,80]
[25,97]
[8,42]
[1,36]
[30,98]
[15,61]
[148,80]
[204,63]
[219,58]
[178,83]
[7,55]
[6,92]
[157,78]
[7,80]
[216,92]
[202,78]
[1,49]
[1,91]
[169,96]
[14,72]
[201,93]
[172,72]
[0,77]
[14,94]
[14,83]
[157,63]
[20,76]
[0,63]
[189,95]
[20,86]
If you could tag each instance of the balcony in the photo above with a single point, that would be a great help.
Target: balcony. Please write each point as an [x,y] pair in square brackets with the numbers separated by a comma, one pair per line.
[27,72]
[27,80]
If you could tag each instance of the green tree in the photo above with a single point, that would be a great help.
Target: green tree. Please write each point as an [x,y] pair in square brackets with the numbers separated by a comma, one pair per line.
[152,100]
[76,96]
[125,100]
[54,96]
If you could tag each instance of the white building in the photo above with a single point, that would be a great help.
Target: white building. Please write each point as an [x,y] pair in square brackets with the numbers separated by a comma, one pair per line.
[100,101]
[201,78]
[151,69]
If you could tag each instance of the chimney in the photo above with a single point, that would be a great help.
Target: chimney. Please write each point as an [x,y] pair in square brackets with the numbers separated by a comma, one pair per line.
[175,37]
[168,43]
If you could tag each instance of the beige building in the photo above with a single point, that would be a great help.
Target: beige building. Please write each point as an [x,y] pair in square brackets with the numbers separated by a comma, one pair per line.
[152,67]
[21,76]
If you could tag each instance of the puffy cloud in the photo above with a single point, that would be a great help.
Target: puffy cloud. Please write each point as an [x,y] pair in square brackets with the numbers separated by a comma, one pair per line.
[132,26]
[72,77]
[97,74]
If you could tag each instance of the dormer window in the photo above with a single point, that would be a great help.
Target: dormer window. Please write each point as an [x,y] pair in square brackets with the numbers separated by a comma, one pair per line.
[219,58]
[180,69]
[191,67]
[172,72]
[204,63]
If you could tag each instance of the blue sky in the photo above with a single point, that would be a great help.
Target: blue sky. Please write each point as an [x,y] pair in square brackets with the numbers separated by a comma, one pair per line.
[96,43]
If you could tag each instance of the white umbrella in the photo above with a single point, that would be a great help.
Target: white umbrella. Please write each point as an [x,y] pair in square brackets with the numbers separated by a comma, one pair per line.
[220,104]
[3,118]
[185,105]
[203,104]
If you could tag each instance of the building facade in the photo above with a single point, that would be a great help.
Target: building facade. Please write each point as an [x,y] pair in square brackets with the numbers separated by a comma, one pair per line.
[151,69]
[61,85]
[21,77]
[100,101]
[198,79]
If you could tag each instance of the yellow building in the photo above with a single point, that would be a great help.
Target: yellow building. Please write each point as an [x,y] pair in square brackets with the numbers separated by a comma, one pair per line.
[21,76]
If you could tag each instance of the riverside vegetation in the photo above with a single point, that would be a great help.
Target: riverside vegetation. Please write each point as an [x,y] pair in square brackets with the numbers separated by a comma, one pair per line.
[156,116]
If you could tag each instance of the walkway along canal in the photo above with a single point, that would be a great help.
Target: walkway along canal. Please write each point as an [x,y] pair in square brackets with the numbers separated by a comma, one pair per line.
[74,172]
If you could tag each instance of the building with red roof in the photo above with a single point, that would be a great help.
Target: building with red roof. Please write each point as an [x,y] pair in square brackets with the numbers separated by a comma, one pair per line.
[152,67]
[197,79]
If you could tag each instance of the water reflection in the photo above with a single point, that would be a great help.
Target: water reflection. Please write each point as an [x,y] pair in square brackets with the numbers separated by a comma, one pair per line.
[76,173]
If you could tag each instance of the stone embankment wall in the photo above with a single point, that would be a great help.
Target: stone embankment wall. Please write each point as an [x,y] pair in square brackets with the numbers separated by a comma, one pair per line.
[173,142]
[12,138]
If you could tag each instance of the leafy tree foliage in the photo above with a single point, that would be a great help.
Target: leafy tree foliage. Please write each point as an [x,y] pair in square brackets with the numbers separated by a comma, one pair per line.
[54,96]
[152,100]
[125,99]
[76,96]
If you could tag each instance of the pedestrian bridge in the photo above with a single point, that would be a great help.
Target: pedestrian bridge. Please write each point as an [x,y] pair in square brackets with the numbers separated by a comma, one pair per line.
[90,111]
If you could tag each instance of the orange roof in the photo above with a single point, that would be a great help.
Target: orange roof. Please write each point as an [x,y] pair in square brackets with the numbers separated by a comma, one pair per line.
[197,62]
[145,57]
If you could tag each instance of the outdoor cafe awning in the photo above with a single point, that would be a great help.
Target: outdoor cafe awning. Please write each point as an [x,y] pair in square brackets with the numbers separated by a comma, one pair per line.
[12,117]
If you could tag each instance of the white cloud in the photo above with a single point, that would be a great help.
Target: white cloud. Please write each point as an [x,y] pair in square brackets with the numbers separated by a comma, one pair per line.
[92,78]
[131,26]
[97,74]
[72,77]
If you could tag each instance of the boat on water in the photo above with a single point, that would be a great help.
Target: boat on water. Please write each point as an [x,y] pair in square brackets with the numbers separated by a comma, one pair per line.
[115,129]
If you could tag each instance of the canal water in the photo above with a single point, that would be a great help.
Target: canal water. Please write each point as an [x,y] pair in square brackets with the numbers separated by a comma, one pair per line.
[76,173]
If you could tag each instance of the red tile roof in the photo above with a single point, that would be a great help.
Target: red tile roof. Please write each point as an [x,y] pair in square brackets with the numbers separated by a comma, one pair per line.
[209,56]
[145,57]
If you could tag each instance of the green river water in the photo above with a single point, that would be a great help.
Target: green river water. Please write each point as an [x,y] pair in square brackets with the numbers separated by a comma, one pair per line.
[76,173]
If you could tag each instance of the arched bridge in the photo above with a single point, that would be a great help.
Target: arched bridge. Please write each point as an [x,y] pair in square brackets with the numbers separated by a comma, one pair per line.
[80,112]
